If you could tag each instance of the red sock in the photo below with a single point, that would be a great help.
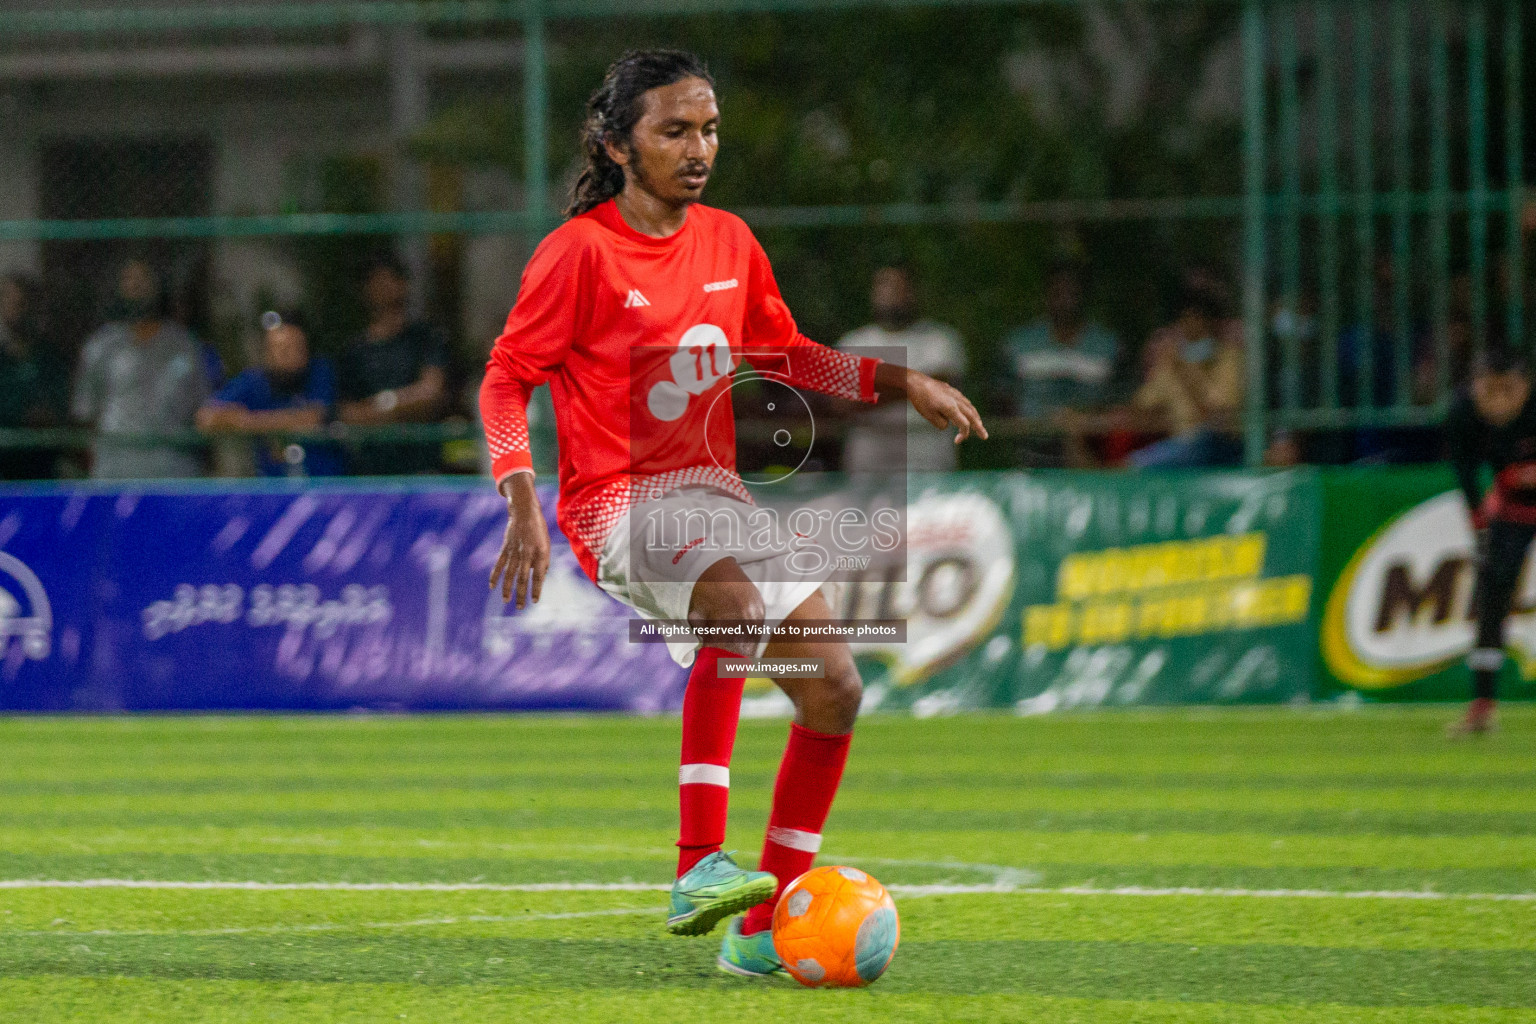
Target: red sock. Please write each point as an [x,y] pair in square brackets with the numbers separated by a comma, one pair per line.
[802,797]
[711,709]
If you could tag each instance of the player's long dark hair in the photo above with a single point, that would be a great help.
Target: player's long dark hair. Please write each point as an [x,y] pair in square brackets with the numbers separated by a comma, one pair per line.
[614,110]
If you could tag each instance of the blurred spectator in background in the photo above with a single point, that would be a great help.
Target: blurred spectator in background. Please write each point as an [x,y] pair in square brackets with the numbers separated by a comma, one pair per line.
[290,391]
[1293,355]
[1284,449]
[392,373]
[1194,385]
[1376,385]
[1293,376]
[1062,364]
[880,435]
[34,377]
[140,374]
[1456,361]
[1374,339]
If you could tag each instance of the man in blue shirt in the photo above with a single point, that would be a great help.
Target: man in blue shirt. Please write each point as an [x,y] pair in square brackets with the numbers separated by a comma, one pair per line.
[1062,364]
[288,392]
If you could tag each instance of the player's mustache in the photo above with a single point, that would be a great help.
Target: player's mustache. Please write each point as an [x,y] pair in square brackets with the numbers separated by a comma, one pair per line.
[696,167]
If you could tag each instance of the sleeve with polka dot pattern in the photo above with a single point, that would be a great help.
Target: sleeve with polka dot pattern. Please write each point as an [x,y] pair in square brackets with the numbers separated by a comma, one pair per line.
[543,322]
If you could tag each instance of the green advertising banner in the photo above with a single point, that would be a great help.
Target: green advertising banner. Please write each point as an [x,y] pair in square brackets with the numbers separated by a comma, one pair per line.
[1397,615]
[1039,591]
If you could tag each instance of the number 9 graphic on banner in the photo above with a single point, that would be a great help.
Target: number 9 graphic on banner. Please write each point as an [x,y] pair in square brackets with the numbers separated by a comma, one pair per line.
[703,356]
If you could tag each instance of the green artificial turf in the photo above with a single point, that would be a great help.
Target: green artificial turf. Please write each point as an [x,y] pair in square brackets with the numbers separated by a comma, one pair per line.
[1293,808]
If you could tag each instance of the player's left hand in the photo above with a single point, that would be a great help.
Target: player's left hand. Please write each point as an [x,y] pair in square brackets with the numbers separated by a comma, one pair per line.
[524,560]
[944,406]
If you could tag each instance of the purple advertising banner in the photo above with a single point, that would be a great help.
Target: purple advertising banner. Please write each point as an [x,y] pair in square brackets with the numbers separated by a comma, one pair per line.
[268,596]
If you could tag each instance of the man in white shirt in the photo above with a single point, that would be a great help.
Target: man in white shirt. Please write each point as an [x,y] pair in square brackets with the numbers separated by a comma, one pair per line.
[882,435]
[140,374]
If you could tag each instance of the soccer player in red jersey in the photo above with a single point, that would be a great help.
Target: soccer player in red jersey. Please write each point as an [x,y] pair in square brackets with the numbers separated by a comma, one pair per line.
[636,311]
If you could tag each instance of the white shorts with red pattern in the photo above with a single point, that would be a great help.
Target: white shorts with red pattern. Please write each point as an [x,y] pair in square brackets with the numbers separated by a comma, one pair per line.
[657,552]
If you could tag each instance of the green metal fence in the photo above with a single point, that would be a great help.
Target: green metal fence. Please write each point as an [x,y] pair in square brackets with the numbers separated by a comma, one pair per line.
[1381,223]
[1381,155]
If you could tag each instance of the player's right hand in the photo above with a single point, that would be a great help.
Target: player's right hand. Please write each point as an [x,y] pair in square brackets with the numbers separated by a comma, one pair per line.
[524,557]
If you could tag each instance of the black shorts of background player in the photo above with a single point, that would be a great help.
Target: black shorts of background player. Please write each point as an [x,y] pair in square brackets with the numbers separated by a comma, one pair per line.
[1494,424]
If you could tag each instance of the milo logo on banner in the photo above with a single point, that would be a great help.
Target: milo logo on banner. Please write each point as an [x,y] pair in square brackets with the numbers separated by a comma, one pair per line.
[960,578]
[1402,608]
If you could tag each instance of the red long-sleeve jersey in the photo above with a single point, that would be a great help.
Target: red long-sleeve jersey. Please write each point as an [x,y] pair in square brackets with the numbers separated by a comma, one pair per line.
[637,338]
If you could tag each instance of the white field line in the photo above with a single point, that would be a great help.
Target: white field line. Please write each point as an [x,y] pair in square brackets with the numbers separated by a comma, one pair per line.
[145,883]
[142,883]
[1003,887]
[1011,877]
[1291,894]
[424,922]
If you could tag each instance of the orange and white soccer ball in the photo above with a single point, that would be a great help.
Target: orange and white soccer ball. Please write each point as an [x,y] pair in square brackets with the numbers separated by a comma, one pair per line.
[835,927]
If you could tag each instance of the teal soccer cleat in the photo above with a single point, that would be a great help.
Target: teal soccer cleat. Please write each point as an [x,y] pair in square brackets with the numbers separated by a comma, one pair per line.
[751,956]
[713,889]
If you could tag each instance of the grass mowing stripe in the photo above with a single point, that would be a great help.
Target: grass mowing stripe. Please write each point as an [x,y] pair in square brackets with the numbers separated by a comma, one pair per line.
[1396,924]
[523,871]
[1107,970]
[897,888]
[1029,849]
[92,1000]
[648,850]
[193,780]
[655,789]
[514,819]
[285,867]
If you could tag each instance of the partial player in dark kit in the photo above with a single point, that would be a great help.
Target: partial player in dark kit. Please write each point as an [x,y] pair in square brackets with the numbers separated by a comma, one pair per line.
[1494,424]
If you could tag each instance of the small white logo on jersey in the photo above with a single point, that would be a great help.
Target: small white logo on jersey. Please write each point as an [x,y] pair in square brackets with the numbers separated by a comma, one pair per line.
[720,286]
[636,299]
